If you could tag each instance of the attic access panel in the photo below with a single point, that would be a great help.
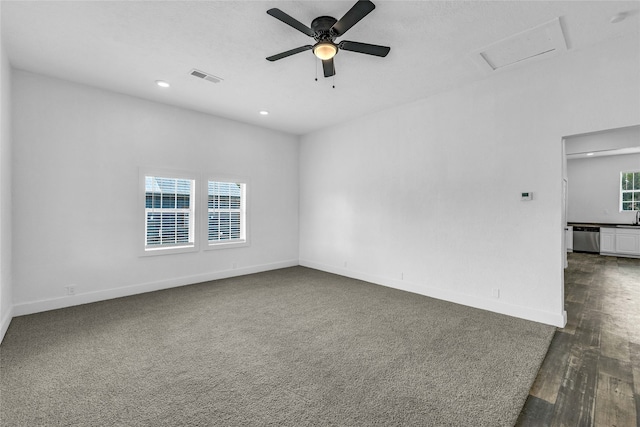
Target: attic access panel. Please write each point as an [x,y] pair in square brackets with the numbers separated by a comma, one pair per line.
[534,43]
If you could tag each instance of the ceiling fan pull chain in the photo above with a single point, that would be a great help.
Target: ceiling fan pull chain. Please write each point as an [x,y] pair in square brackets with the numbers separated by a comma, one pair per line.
[334,81]
[315,62]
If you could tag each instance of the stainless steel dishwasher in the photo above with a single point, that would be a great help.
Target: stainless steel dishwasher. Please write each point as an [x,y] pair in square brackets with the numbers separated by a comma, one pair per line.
[586,239]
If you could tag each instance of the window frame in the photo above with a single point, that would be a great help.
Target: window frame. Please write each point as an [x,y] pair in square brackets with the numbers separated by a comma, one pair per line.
[244,241]
[194,209]
[632,191]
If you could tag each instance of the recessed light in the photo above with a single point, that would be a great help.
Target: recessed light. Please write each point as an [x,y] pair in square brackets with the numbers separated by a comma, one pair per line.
[618,17]
[264,113]
[162,83]
[589,154]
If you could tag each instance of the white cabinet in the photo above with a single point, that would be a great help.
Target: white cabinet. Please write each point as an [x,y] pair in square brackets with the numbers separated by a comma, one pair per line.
[620,241]
[607,240]
[628,242]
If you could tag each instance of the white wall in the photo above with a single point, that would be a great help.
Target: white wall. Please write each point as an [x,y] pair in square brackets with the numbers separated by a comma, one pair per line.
[594,188]
[426,197]
[77,151]
[423,197]
[6,295]
[604,141]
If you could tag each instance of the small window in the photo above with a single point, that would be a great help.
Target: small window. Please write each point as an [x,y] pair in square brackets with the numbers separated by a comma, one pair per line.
[169,213]
[630,191]
[226,213]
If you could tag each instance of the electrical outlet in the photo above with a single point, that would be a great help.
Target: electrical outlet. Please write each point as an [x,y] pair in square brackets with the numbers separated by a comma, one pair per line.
[234,266]
[345,264]
[71,289]
[401,276]
[496,292]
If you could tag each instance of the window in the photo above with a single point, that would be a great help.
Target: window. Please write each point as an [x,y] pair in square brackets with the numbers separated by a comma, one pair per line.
[226,219]
[169,213]
[630,191]
[176,220]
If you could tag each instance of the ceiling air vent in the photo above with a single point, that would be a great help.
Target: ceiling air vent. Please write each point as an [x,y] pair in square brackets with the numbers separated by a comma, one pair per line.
[208,77]
[537,42]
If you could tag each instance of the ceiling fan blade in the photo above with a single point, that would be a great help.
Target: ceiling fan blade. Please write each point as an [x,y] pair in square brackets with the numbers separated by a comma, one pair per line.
[278,14]
[369,49]
[328,67]
[289,53]
[359,10]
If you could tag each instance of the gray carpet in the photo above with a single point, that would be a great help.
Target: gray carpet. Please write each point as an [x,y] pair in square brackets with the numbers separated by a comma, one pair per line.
[292,347]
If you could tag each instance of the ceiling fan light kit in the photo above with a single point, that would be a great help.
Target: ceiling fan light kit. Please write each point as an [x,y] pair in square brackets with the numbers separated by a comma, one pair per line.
[324,30]
[325,50]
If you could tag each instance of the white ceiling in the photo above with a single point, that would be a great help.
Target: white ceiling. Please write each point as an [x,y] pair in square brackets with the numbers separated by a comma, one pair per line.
[124,46]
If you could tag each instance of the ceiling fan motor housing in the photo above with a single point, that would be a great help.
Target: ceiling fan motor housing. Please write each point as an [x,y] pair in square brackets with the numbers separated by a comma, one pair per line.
[321,26]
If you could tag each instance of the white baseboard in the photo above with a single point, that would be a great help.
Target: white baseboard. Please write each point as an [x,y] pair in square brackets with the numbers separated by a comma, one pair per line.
[549,318]
[31,307]
[4,323]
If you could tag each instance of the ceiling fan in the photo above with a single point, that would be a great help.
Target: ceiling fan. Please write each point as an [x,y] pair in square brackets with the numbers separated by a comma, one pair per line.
[325,29]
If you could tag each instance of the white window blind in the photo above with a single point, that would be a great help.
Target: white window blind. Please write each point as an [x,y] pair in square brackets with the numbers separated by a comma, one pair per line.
[226,212]
[169,212]
[630,191]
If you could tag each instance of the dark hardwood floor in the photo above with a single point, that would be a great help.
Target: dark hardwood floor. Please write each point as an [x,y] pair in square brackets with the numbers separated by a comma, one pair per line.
[591,374]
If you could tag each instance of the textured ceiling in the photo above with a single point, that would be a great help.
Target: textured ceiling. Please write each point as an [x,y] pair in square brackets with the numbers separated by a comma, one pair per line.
[125,46]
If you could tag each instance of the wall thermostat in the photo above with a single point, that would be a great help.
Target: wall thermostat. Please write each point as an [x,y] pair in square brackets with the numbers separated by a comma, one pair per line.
[526,196]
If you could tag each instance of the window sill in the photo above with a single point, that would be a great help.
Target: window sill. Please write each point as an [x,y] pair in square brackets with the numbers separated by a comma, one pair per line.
[227,245]
[169,250]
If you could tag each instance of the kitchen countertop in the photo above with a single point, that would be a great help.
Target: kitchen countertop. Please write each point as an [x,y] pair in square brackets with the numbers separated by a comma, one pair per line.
[599,224]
